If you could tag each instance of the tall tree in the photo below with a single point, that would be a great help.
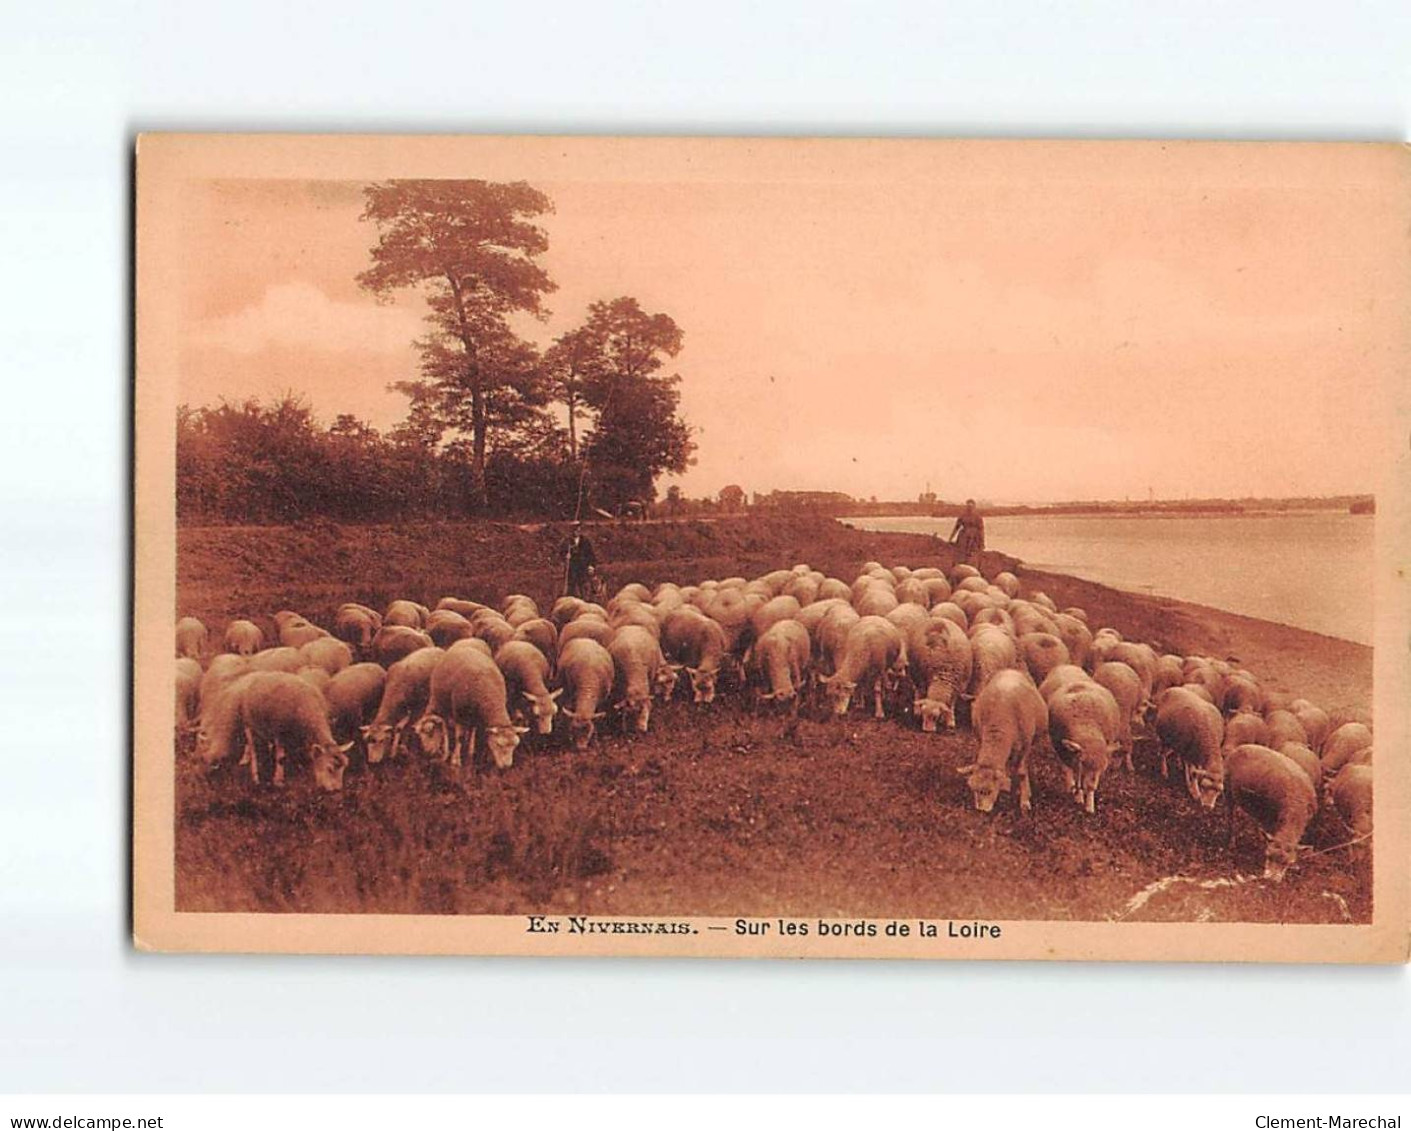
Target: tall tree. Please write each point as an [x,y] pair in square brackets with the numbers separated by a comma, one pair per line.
[573,361]
[469,248]
[612,367]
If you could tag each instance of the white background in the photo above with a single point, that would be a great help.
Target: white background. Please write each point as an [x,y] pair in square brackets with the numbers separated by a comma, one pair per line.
[80,1010]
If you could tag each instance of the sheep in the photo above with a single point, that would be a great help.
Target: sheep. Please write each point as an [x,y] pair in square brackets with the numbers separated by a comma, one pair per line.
[243,638]
[1351,793]
[949,610]
[940,663]
[1170,672]
[225,669]
[991,651]
[1343,745]
[1242,694]
[327,653]
[468,694]
[1142,659]
[404,698]
[696,642]
[1008,714]
[875,601]
[493,629]
[1076,637]
[1306,760]
[1278,795]
[543,635]
[1245,727]
[295,631]
[1008,582]
[1083,723]
[282,659]
[188,697]
[405,614]
[459,605]
[280,711]
[1284,727]
[1041,653]
[635,614]
[587,672]
[446,626]
[1062,676]
[356,625]
[1193,730]
[395,642]
[780,662]
[585,628]
[872,653]
[354,697]
[640,669]
[1126,687]
[784,607]
[191,638]
[526,671]
[1315,723]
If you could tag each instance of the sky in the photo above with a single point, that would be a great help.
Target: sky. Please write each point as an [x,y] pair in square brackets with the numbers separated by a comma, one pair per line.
[1013,323]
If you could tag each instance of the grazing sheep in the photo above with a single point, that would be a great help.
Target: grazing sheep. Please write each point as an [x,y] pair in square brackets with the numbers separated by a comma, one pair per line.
[1278,795]
[468,694]
[295,631]
[526,671]
[585,628]
[1008,582]
[405,614]
[1126,688]
[1008,714]
[191,638]
[1351,792]
[280,711]
[458,605]
[404,698]
[949,610]
[354,697]
[1193,730]
[327,653]
[940,663]
[1083,723]
[1170,672]
[1041,653]
[283,659]
[225,669]
[640,669]
[875,601]
[1246,728]
[779,662]
[243,638]
[873,652]
[1306,760]
[1284,727]
[1076,637]
[587,672]
[1343,745]
[634,614]
[188,698]
[771,612]
[1062,676]
[356,626]
[396,642]
[1242,694]
[1315,723]
[992,651]
[543,635]
[692,640]
[446,626]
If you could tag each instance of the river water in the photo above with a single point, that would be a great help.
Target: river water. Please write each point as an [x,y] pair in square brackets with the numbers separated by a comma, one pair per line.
[1309,569]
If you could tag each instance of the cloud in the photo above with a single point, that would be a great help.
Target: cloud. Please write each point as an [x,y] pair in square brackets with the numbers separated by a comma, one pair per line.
[300,314]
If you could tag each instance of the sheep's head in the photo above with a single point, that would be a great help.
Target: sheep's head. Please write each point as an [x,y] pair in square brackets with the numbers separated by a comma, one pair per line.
[1205,785]
[501,742]
[639,709]
[329,764]
[934,714]
[702,684]
[839,692]
[1278,859]
[582,727]
[431,733]
[665,682]
[986,784]
[377,740]
[544,708]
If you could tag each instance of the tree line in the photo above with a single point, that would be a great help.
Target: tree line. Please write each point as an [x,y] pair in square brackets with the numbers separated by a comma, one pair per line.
[496,426]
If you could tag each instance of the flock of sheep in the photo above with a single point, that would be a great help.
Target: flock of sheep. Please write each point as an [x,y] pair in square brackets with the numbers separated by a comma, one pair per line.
[914,643]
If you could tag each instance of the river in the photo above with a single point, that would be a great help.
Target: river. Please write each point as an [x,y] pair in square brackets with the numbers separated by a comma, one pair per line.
[1309,569]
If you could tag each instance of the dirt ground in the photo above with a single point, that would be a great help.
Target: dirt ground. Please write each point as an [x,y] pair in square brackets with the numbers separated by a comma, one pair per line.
[719,811]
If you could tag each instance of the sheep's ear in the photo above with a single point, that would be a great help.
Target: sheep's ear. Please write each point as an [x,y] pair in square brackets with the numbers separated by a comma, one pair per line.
[598,715]
[555,693]
[521,730]
[528,695]
[825,679]
[968,768]
[1069,744]
[345,747]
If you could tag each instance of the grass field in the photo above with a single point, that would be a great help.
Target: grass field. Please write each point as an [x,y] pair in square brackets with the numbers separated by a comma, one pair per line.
[720,811]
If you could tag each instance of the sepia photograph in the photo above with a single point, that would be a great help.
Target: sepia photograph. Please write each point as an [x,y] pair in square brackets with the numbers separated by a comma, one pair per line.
[788,547]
